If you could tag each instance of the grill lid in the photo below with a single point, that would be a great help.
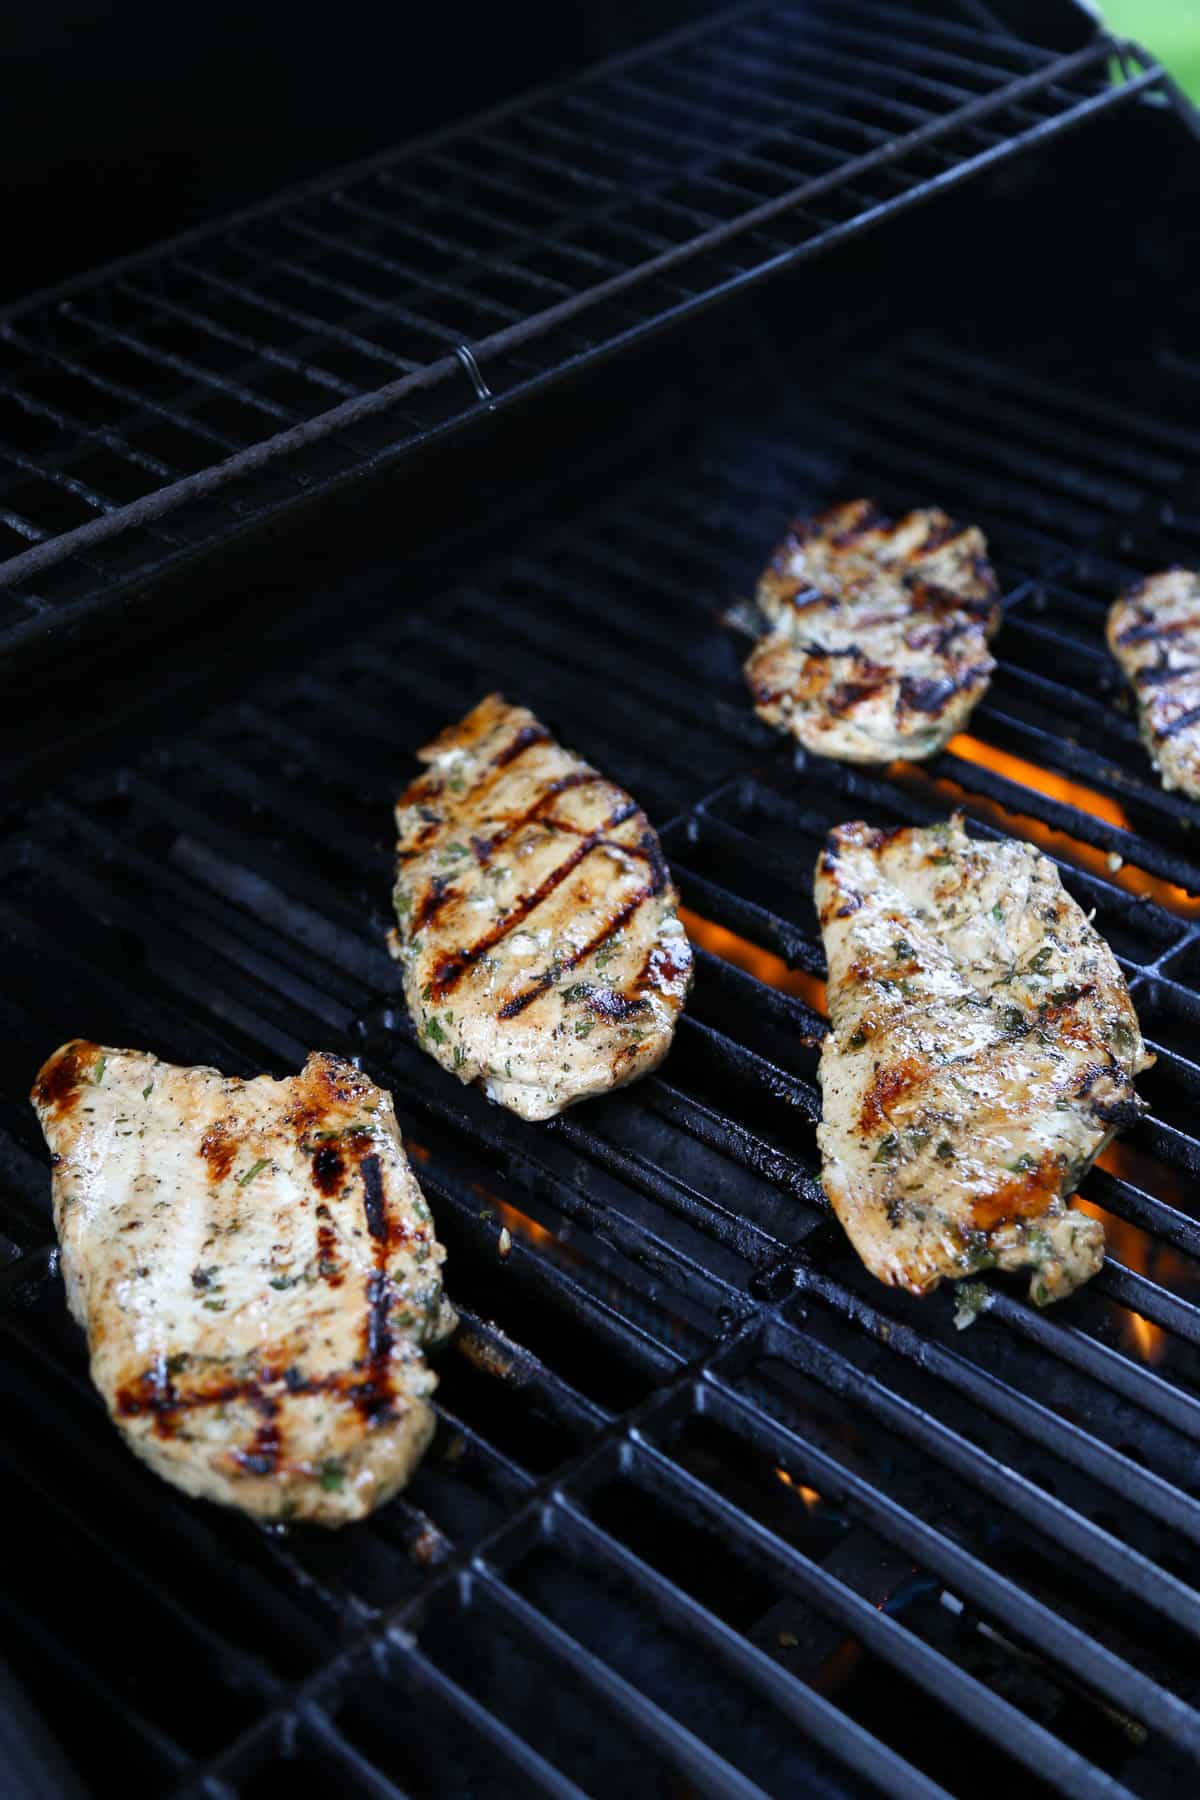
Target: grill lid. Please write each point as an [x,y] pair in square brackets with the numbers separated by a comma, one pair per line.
[188,394]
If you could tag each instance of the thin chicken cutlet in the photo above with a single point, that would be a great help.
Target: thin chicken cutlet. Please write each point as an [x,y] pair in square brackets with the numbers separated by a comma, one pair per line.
[256,1271]
[982,1053]
[543,953]
[877,639]
[1154,633]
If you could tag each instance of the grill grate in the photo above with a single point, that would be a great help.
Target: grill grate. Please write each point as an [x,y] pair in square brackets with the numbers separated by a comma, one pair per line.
[186,394]
[756,1524]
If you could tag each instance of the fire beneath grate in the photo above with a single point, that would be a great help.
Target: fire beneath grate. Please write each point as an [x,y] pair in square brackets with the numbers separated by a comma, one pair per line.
[709,1511]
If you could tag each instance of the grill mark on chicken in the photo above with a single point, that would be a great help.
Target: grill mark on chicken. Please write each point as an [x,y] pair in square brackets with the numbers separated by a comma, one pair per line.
[519,1002]
[485,848]
[454,966]
[541,858]
[526,738]
[375,1386]
[982,1053]
[1154,634]
[61,1082]
[1181,723]
[877,630]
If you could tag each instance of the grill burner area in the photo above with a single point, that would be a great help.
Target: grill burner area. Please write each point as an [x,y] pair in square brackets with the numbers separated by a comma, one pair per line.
[708,1510]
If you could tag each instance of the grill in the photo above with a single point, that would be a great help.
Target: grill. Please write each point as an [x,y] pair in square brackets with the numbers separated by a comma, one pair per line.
[708,1511]
[184,396]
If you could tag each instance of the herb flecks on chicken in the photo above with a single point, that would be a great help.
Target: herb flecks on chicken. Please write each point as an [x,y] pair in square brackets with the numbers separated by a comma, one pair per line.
[539,930]
[256,1270]
[982,1053]
[877,638]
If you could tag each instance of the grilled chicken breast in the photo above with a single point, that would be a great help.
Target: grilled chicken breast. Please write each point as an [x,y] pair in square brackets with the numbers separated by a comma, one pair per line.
[877,639]
[1154,633]
[256,1271]
[543,953]
[982,1052]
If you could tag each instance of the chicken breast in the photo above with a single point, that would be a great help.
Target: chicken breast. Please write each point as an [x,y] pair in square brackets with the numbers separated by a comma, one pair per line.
[1154,633]
[543,953]
[877,645]
[982,1053]
[256,1271]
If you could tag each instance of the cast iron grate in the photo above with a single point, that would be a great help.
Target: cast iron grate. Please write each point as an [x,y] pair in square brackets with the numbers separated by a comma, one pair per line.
[188,393]
[708,1509]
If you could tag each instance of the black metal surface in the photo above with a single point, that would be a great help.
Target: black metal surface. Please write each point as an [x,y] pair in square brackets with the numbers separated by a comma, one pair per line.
[191,394]
[708,1510]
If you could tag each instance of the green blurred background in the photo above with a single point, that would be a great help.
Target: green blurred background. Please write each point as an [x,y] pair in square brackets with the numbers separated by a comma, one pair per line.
[1169,28]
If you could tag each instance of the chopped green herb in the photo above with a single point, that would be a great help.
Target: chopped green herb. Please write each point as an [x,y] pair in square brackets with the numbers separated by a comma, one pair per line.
[945,1151]
[1014,1023]
[402,903]
[636,1035]
[427,991]
[451,853]
[1041,957]
[578,991]
[456,784]
[605,955]
[583,1027]
[98,1075]
[327,1266]
[998,913]
[858,1039]
[1023,1164]
[332,1475]
[888,1148]
[902,947]
[281,1282]
[176,1362]
[215,1305]
[147,1091]
[460,1056]
[942,856]
[264,1162]
[971,1299]
[434,1032]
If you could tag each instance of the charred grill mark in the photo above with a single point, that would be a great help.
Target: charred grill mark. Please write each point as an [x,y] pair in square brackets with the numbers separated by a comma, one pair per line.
[329,1169]
[853,693]
[610,1005]
[1162,673]
[868,517]
[374,1199]
[485,848]
[453,967]
[60,1082]
[519,1002]
[328,1266]
[266,1447]
[524,740]
[938,536]
[1149,631]
[437,894]
[929,694]
[1185,719]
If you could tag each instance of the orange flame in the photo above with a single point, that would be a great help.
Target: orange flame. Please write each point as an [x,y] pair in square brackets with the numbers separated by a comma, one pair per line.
[1058,843]
[762,964]
[810,1496]
[518,1223]
[1139,1252]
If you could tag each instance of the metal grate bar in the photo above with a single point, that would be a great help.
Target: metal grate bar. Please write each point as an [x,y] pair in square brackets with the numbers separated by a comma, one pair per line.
[724,204]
